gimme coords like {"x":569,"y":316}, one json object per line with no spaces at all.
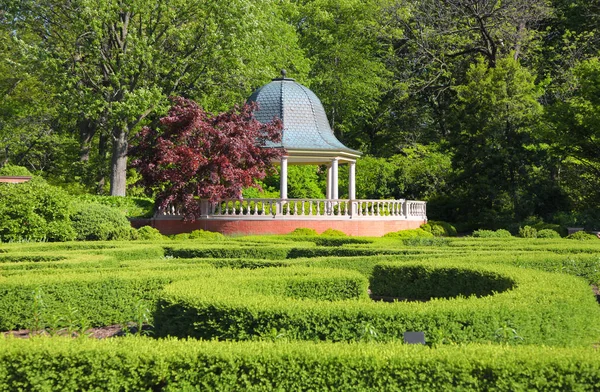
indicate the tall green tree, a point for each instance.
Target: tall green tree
{"x":494,"y":142}
{"x":348,"y":72}
{"x":115,"y":62}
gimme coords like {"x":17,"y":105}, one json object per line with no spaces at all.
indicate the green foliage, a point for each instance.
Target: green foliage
{"x":34,"y":211}
{"x":426,"y":241}
{"x":439,"y":228}
{"x":528,"y":232}
{"x":97,"y":222}
{"x":14,"y":170}
{"x":240,"y":305}
{"x":206,"y":235}
{"x":303,"y":231}
{"x":582,"y":236}
{"x":149,"y":233}
{"x":547,"y":233}
{"x":131,"y":207}
{"x":500,"y":233}
{"x":333,"y":233}
{"x":412,"y":233}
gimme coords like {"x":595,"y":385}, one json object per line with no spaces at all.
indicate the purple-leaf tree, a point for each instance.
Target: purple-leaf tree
{"x":196,"y":155}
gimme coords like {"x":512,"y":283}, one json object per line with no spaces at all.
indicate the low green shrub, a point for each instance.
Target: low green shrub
{"x":206,"y":235}
{"x":34,"y":211}
{"x":149,"y":233}
{"x":14,"y":170}
{"x":547,"y":233}
{"x":426,"y":241}
{"x":142,"y":364}
{"x":304,"y":231}
{"x":132,"y":207}
{"x":527,"y":232}
{"x":542,"y":308}
{"x":333,"y":233}
{"x":582,"y":236}
{"x":409,"y":234}
{"x":229,"y":252}
{"x":339,"y":241}
{"x":500,"y":233}
{"x":439,"y":228}
{"x":97,"y":222}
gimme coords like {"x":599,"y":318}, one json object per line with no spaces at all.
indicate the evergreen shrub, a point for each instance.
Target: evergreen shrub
{"x":206,"y":235}
{"x":548,"y":233}
{"x":34,"y":211}
{"x":527,"y":232}
{"x":97,"y":222}
{"x":149,"y":233}
{"x":582,"y":236}
{"x":333,"y":233}
{"x":439,"y":228}
{"x":500,"y":233}
{"x":141,"y":364}
{"x":304,"y":231}
{"x":412,"y":233}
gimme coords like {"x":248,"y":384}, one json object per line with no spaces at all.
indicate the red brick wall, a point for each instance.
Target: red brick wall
{"x":369,"y":228}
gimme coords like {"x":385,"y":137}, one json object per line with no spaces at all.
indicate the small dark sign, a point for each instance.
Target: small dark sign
{"x":414,"y":337}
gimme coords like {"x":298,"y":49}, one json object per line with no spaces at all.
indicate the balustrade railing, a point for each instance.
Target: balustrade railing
{"x":307,"y":208}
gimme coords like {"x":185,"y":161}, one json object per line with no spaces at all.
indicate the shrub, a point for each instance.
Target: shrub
{"x":149,"y":233}
{"x":334,"y":233}
{"x":206,"y":235}
{"x":426,"y":241}
{"x":14,"y":170}
{"x":527,"y":232}
{"x":412,"y":233}
{"x":582,"y":236}
{"x":547,"y":233}
{"x":304,"y":231}
{"x":34,"y":211}
{"x":133,"y":207}
{"x":500,"y":233}
{"x":439,"y":228}
{"x":97,"y":222}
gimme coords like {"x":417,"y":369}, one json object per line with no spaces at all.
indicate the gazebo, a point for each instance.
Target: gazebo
{"x":308,"y":140}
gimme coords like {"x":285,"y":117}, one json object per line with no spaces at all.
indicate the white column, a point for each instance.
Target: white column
{"x":352,"y":180}
{"x":329,"y":182}
{"x":334,"y":179}
{"x":283,"y":178}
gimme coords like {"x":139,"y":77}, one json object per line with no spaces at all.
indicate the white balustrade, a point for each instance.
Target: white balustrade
{"x":306,"y":209}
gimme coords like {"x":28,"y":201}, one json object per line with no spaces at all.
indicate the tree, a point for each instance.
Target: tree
{"x":575,"y":132}
{"x":494,"y":141}
{"x":201,"y":156}
{"x":115,"y":62}
{"x":348,"y":72}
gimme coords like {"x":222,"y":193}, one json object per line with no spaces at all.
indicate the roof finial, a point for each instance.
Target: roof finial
{"x":283,"y":73}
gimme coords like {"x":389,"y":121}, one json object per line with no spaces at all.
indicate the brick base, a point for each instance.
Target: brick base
{"x":367,"y":228}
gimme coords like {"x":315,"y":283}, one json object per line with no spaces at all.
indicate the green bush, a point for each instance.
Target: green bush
{"x":425,"y":241}
{"x":439,"y":228}
{"x":500,"y":233}
{"x":14,"y":170}
{"x":582,"y":236}
{"x":333,"y":233}
{"x":547,"y":233}
{"x":412,"y":233}
{"x":206,"y":235}
{"x":149,"y":233}
{"x":141,"y":364}
{"x":132,"y":207}
{"x":543,"y":308}
{"x":97,"y":222}
{"x":527,"y":232}
{"x":304,"y":231}
{"x":34,"y":211}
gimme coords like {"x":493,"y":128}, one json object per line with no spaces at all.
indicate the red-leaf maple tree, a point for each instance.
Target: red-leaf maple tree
{"x":195,"y":155}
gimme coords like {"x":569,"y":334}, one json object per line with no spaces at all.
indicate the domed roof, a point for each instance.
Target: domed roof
{"x":305,"y":125}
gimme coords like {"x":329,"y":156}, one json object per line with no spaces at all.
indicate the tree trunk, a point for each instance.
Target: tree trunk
{"x":87,"y":130}
{"x":118,"y":169}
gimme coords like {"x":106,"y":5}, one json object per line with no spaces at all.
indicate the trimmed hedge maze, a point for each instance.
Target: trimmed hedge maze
{"x":300,"y":313}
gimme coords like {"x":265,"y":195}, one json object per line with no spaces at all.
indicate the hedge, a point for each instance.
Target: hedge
{"x":136,"y":364}
{"x":543,"y":308}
